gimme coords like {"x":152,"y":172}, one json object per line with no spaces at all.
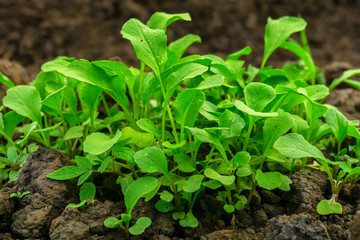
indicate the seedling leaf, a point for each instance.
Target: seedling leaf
{"x":258,"y":95}
{"x":161,"y":20}
{"x":189,"y":221}
{"x":225,"y":180}
{"x":278,"y":31}
{"x":98,"y":143}
{"x":294,"y":145}
{"x":25,"y":100}
{"x":326,"y":207}
{"x":149,"y":44}
{"x":67,"y":172}
{"x":87,"y":192}
{"x":151,"y":159}
{"x":138,"y":189}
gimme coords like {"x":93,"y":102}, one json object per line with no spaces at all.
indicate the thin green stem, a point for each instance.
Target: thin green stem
{"x":107,"y":110}
{"x":138,"y":99}
{"x":168,"y":111}
{"x":9,"y":139}
{"x":248,"y":134}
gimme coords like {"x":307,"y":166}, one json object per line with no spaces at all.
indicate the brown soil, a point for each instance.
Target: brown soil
{"x":35,"y":31}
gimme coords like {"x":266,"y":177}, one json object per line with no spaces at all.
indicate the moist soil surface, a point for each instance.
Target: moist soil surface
{"x":35,"y":31}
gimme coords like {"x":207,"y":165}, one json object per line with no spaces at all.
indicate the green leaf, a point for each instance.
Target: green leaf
{"x":125,"y":183}
{"x":189,"y":221}
{"x":87,"y":191}
{"x":294,"y":145}
{"x":214,"y":81}
{"x":67,"y":172}
{"x":148,"y":126}
{"x":166,"y":196}
{"x":85,"y":71}
{"x":84,"y":177}
{"x":25,"y":100}
{"x":276,"y":127}
{"x":203,"y":136}
{"x":89,"y":94}
{"x":229,"y":208}
{"x":187,"y":105}
{"x":164,"y":206}
{"x":104,"y":164}
{"x":193,"y":183}
{"x":258,"y":95}
{"x":242,"y":107}
{"x":5,"y":80}
{"x":161,"y":20}
{"x":233,"y":121}
{"x":179,"y":46}
{"x":187,"y":71}
{"x":354,"y":171}
{"x":137,"y":190}
{"x":11,"y":120}
{"x":27,"y":129}
{"x":326,"y":207}
{"x":74,"y":132}
{"x":268,"y":180}
{"x":151,"y":159}
{"x":185,"y":163}
{"x":245,"y":51}
{"x":124,"y":153}
{"x":337,"y":122}
{"x":98,"y":143}
{"x":73,"y":205}
{"x":140,"y":139}
{"x":225,"y":180}
{"x":83,"y":162}
{"x":240,"y":159}
{"x":244,"y":171}
{"x":112,"y":222}
{"x":178,"y":215}
{"x":347,"y":74}
{"x":140,"y":226}
{"x":12,"y":155}
{"x":14,"y":175}
{"x":60,"y":62}
{"x":239,"y":205}
{"x":317,"y":92}
{"x":149,"y":44}
{"x":48,"y":129}
{"x":304,"y":55}
{"x":278,"y":31}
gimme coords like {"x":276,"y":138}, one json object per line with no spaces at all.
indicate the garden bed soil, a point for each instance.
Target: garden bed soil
{"x":270,"y":215}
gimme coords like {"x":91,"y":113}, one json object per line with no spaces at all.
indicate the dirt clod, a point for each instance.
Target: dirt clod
{"x":355,"y":227}
{"x":297,"y":226}
{"x":306,"y":191}
{"x":48,"y":197}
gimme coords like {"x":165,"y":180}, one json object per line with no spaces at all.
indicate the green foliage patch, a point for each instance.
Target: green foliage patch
{"x":181,"y":125}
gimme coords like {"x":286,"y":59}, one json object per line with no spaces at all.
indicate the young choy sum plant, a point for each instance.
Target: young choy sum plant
{"x":142,"y":187}
{"x":295,"y":146}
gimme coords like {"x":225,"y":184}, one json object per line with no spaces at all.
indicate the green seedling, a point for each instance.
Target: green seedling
{"x":11,"y":165}
{"x":142,"y":187}
{"x":295,"y":146}
{"x":87,"y":192}
{"x":19,"y":195}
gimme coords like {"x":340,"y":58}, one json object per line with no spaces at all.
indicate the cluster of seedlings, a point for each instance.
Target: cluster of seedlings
{"x":179,"y":125}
